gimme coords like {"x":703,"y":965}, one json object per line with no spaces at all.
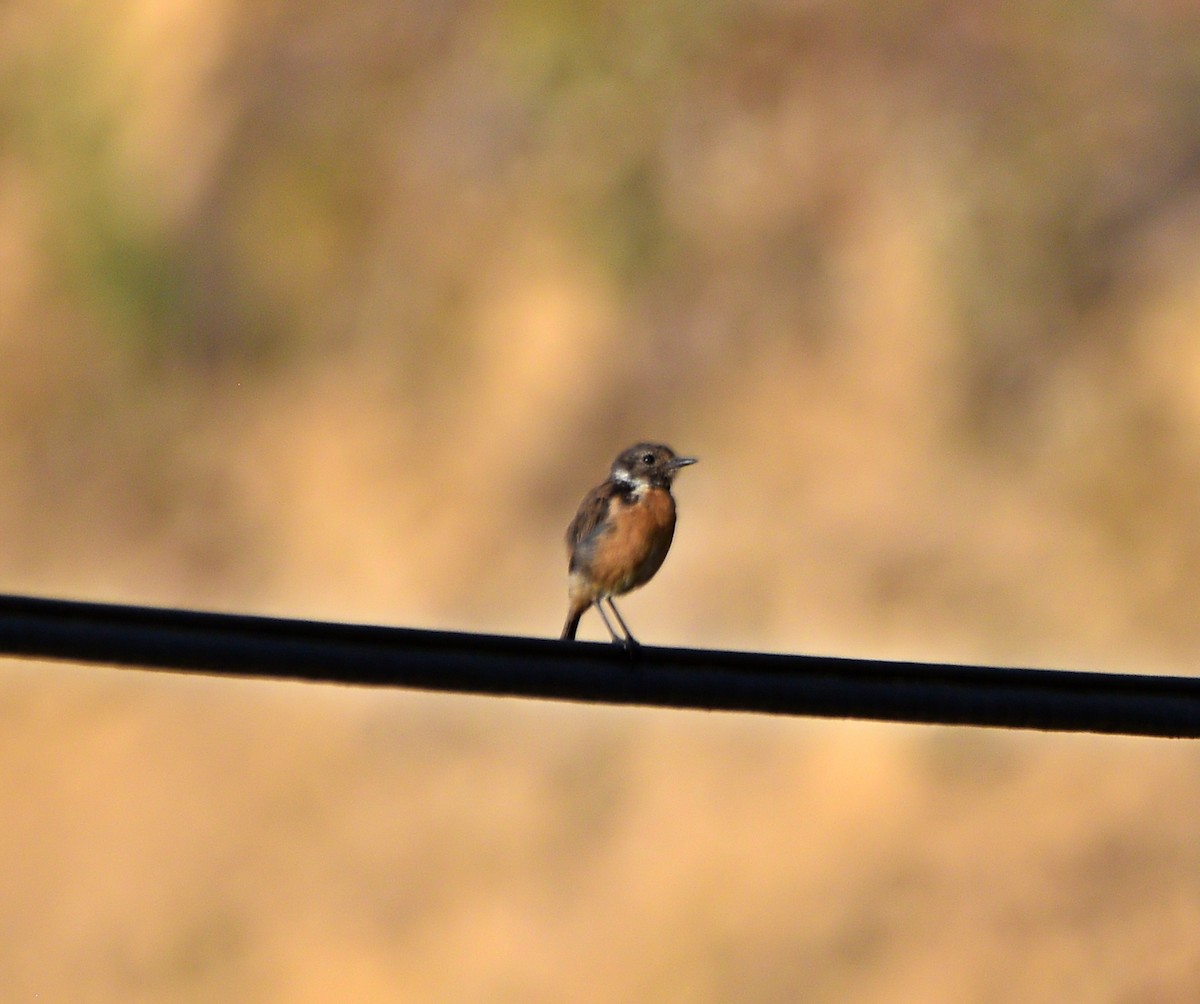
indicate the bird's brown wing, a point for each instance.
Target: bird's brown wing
{"x":587,"y":521}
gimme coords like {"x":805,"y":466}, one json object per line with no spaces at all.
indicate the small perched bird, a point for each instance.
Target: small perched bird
{"x":621,"y":533}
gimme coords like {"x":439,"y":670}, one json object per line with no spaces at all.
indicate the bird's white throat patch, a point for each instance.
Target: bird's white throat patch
{"x":638,"y":486}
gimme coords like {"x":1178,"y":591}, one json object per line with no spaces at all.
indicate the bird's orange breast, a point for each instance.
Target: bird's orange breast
{"x":636,"y":543}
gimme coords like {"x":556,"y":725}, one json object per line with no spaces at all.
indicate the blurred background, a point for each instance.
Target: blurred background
{"x":336,"y":310}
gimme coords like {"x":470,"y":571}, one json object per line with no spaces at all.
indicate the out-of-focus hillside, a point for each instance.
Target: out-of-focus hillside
{"x":337,"y":310}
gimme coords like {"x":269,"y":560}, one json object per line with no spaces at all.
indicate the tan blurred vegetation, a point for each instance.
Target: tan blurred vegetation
{"x":336,"y":310}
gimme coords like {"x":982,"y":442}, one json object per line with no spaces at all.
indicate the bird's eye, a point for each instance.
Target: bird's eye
{"x":647,"y":458}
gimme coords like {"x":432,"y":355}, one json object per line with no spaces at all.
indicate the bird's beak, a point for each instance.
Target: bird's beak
{"x":678,"y":462}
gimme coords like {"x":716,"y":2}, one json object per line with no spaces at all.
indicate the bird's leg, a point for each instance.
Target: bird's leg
{"x":617,"y":639}
{"x":630,"y":642}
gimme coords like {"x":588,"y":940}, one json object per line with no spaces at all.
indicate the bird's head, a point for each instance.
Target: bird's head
{"x":648,"y":464}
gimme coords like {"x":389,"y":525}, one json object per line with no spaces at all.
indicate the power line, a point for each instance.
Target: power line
{"x":238,"y":645}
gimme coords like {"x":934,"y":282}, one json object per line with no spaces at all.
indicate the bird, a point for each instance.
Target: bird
{"x":621,"y":534}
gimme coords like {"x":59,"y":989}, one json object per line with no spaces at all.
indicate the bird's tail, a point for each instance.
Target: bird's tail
{"x":573,"y":617}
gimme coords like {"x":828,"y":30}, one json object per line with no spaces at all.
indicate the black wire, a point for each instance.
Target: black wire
{"x":268,"y":647}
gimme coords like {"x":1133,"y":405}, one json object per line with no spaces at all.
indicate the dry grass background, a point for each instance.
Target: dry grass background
{"x":335,"y":310}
